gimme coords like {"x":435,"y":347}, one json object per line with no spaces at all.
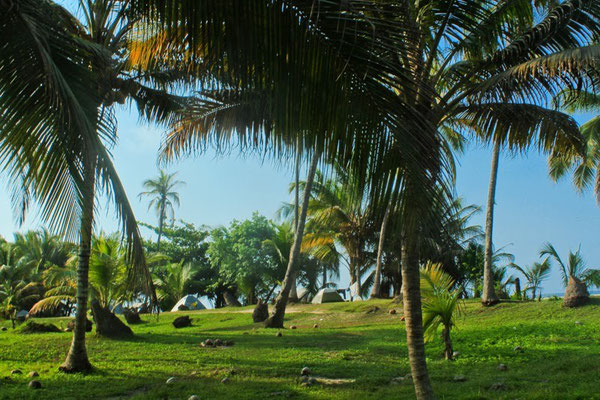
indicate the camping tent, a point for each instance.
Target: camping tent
{"x":304,"y":295}
{"x":188,"y":302}
{"x":327,"y":296}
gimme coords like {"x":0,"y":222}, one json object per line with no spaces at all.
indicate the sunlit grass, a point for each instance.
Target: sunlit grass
{"x":354,"y":340}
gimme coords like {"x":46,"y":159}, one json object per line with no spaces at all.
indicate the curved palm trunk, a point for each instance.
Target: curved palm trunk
{"x":77,"y":359}
{"x":489,"y":297}
{"x":376,"y":290}
{"x":411,"y":294}
{"x":276,"y":319}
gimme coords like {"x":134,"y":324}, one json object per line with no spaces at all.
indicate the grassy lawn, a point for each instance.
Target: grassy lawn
{"x":560,"y":357}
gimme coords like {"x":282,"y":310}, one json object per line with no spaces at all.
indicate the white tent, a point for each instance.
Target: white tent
{"x":327,"y":295}
{"x":304,"y":295}
{"x":188,"y":302}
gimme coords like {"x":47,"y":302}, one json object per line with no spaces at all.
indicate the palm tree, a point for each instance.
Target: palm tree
{"x":534,"y":275}
{"x":55,"y":142}
{"x":163,"y":196}
{"x":586,"y":170}
{"x":396,"y":75}
{"x":441,"y":304}
{"x":574,"y":268}
{"x":171,"y":283}
{"x":338,"y":214}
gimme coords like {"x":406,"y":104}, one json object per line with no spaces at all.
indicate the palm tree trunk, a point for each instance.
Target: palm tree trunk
{"x":489,"y":297}
{"x":293,"y":298}
{"x":77,"y":359}
{"x":276,"y":319}
{"x":161,"y":220}
{"x":324,"y":276}
{"x":376,"y":290}
{"x":411,"y":295}
{"x":448,"y":352}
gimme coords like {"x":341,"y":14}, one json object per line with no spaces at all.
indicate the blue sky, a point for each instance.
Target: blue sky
{"x":530,"y":208}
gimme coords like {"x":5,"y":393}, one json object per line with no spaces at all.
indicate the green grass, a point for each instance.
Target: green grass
{"x":560,"y":359}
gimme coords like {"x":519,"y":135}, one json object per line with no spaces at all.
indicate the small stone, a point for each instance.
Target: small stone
{"x":4,"y":329}
{"x":305,"y":371}
{"x":171,"y":380}
{"x":399,"y":380}
{"x":460,"y":378}
{"x":208,"y":343}
{"x":498,"y":386}
{"x":403,"y":318}
{"x":518,"y":348}
{"x":455,"y":354}
{"x":194,"y":397}
{"x":392,"y":311}
{"x":293,"y":327}
{"x":16,"y":372}
{"x":315,"y":326}
{"x":35,"y":384}
{"x":33,"y":374}
{"x":228,"y":343}
{"x":278,"y":334}
{"x":225,"y":380}
{"x":218,"y":342}
{"x":578,"y":323}
{"x":502,"y":367}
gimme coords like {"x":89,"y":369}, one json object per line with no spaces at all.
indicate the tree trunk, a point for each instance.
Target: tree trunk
{"x":230,"y":299}
{"x":489,"y":297}
{"x":293,"y":297}
{"x":77,"y":359}
{"x":376,"y":290}
{"x":518,"y":288}
{"x":161,"y":220}
{"x":411,"y":300}
{"x":448,"y":352}
{"x":276,"y":319}
{"x":324,"y":276}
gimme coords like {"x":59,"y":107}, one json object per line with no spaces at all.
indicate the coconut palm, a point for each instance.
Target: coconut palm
{"x":395,"y":76}
{"x":338,"y":215}
{"x":574,"y":268}
{"x":442,"y":304}
{"x":55,"y":142}
{"x":586,"y":170}
{"x":534,"y":275}
{"x":163,"y":196}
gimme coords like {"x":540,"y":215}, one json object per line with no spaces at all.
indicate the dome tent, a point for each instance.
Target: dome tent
{"x":327,"y":295}
{"x":188,"y":302}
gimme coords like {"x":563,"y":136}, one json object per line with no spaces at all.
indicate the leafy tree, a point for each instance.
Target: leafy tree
{"x":242,"y":258}
{"x":163,"y":196}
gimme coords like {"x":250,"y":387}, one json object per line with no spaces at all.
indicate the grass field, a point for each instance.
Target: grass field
{"x":560,"y":357}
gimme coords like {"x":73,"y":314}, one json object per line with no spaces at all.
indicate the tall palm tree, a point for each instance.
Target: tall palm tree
{"x":163,"y":196}
{"x":396,"y":75}
{"x":534,"y":275}
{"x":338,"y":214}
{"x":55,"y":142}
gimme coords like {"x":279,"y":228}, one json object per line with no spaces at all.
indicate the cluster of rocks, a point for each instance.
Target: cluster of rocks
{"x":34,"y":384}
{"x":217,"y":343}
{"x":35,"y":327}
